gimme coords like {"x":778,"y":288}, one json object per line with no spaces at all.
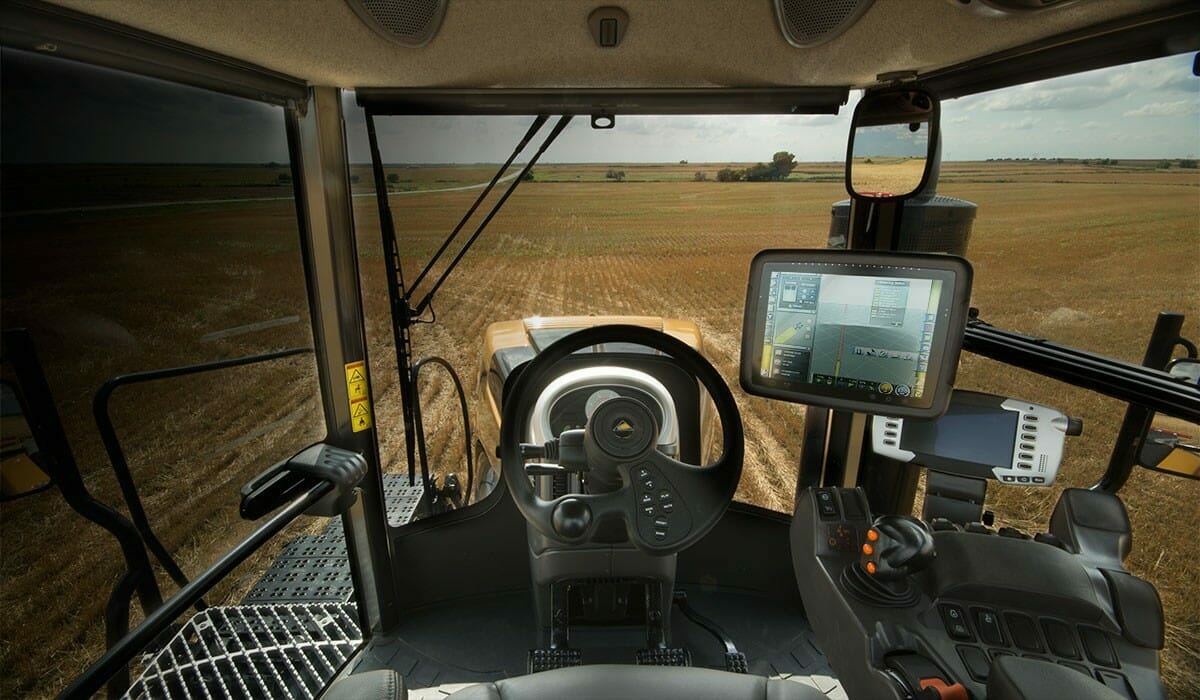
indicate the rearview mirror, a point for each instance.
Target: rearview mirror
{"x":893,"y":142}
{"x":20,"y":471}
{"x":1171,"y":445}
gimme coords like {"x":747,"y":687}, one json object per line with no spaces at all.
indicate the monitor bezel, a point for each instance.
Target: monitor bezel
{"x":948,"y":332}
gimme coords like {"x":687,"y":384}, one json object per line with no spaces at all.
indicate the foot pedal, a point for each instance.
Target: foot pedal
{"x":735,"y":661}
{"x":550,"y":659}
{"x":664,"y":657}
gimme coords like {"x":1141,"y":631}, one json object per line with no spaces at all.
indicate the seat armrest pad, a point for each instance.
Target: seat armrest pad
{"x":1016,"y":678}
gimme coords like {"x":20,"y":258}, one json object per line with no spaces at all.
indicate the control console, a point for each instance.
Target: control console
{"x":899,"y":607}
{"x":981,"y":436}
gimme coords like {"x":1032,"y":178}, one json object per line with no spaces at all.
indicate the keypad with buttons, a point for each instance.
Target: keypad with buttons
{"x":662,"y":519}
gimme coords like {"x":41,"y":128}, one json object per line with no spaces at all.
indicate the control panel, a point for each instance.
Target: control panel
{"x":662,"y":518}
{"x":898,"y":605}
{"x":981,"y":436}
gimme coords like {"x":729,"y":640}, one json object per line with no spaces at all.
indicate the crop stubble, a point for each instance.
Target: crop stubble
{"x":1109,"y":246}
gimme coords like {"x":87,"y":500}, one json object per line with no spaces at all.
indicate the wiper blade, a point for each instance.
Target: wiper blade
{"x":533,"y":130}
{"x":558,"y":129}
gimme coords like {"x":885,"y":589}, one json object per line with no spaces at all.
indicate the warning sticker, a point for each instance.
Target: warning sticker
{"x":356,"y":380}
{"x":360,"y":415}
{"x":356,"y":388}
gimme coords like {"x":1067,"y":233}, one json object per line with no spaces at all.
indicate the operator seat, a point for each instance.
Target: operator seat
{"x":601,"y":682}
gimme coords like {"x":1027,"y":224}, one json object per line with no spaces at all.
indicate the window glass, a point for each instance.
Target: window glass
{"x":144,"y":226}
{"x":1088,"y":226}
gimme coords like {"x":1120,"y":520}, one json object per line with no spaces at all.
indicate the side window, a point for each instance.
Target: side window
{"x":145,"y":226}
{"x":1088,"y":226}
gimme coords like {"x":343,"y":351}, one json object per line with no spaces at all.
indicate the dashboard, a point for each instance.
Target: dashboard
{"x":572,"y":408}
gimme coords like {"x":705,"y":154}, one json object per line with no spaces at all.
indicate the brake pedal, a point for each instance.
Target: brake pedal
{"x":550,"y":659}
{"x":664,"y":657}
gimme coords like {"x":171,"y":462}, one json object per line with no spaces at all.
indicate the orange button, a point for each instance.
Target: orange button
{"x":871,"y":567}
{"x":872,"y":535}
{"x":868,"y":549}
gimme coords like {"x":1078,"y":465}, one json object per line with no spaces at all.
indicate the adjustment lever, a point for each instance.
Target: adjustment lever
{"x":538,"y":469}
{"x":566,"y":449}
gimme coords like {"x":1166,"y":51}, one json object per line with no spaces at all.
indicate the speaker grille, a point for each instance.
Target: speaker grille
{"x":408,"y":22}
{"x":808,"y":23}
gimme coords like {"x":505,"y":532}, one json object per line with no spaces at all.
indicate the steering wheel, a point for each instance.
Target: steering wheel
{"x":666,"y":505}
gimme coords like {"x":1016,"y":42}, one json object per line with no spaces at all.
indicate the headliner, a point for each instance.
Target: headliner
{"x":688,"y":43}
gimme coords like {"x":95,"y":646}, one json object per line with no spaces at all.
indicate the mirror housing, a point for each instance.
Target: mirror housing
{"x":893,"y":145}
{"x":21,"y":473}
{"x":1171,"y":445}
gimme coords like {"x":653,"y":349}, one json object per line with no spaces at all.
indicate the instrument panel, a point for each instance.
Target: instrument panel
{"x":571,"y":410}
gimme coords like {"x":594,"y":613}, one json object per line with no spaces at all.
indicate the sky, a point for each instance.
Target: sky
{"x":53,"y":110}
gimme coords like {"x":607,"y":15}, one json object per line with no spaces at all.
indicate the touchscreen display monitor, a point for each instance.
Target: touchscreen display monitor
{"x":862,"y":331}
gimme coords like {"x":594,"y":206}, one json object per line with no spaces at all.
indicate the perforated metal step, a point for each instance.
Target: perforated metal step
{"x":253,"y":651}
{"x":310,"y":569}
{"x":402,"y":500}
{"x":315,"y":568}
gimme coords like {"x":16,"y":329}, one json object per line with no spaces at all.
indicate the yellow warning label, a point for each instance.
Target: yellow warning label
{"x":360,"y":415}
{"x":356,"y":388}
{"x":356,"y":380}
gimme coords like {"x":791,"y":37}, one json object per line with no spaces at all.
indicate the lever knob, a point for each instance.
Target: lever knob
{"x":896,"y":547}
{"x":571,"y":518}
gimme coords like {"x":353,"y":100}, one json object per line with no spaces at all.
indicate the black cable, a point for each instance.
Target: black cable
{"x":466,"y":416}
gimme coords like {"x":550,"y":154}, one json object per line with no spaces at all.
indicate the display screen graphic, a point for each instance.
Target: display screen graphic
{"x":871,"y":334}
{"x":856,"y":330}
{"x":980,"y":435}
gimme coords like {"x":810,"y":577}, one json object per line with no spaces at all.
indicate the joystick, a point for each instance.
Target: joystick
{"x":896,"y":546}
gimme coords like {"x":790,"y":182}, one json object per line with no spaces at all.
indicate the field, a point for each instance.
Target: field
{"x":1085,"y":255}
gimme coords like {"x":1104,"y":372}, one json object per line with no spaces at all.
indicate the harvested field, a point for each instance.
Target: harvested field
{"x":1085,"y":255}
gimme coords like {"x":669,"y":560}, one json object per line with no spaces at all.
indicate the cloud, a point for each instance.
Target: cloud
{"x":1023,"y":125}
{"x":1095,"y":88}
{"x":1164,"y":109}
{"x":1029,"y":98}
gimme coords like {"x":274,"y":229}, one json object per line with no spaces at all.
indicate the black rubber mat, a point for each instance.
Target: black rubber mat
{"x":489,"y":638}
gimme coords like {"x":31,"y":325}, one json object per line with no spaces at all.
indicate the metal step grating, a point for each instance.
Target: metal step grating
{"x":402,"y":500}
{"x":314,"y":568}
{"x":253,"y":651}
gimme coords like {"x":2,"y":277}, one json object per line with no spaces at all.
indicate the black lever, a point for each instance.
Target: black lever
{"x":566,"y":449}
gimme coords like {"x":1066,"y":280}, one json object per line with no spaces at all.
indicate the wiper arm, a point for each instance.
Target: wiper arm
{"x":558,"y":129}
{"x":533,"y":130}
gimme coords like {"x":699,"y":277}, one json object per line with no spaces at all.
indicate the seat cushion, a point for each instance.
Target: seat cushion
{"x":602,"y":682}
{"x":384,"y":684}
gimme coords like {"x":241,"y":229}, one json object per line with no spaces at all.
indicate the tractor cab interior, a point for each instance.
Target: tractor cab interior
{"x":598,"y":545}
